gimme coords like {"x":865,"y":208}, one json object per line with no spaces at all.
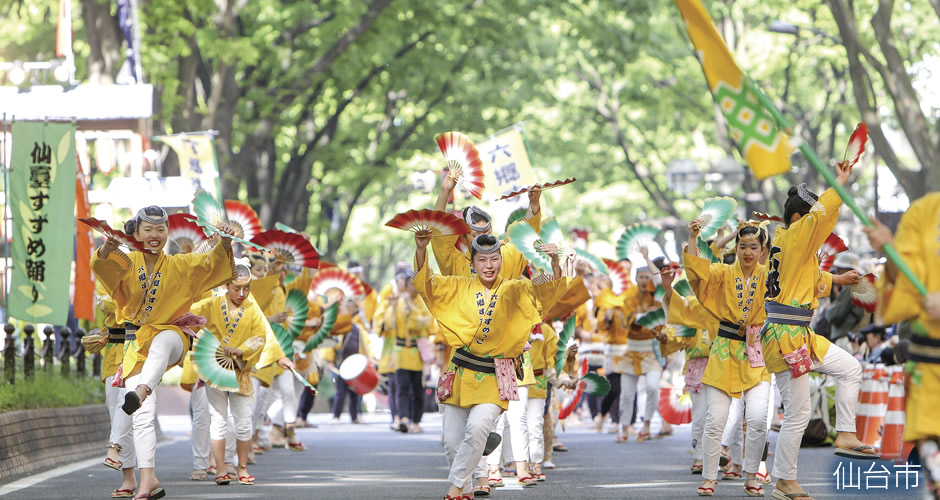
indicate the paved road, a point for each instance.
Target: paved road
{"x":370,"y":462}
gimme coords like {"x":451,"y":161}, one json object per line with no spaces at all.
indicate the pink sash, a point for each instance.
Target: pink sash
{"x":693,"y":373}
{"x":506,"y":379}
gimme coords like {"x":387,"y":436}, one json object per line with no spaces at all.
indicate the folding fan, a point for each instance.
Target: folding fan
{"x":440,"y":223}
{"x":675,"y":406}
{"x":659,"y":294}
{"x":634,"y":236}
{"x":242,"y":215}
{"x":563,"y":338}
{"x":768,"y":217}
{"x":125,"y":239}
{"x":715,"y":213}
{"x":864,"y":294}
{"x":212,"y":365}
{"x":303,"y":381}
{"x":828,"y":251}
{"x":592,"y":260}
{"x":291,"y":248}
{"x":595,"y":385}
{"x":856,"y":145}
{"x":580,"y":237}
{"x":618,"y":277}
{"x":463,"y":160}
{"x":705,"y":251}
{"x":334,"y":277}
{"x":679,"y":331}
{"x":571,"y":402}
{"x":285,"y":339}
{"x":551,"y":233}
{"x":327,"y":321}
{"x":284,"y":227}
{"x":297,"y":305}
{"x":526,"y":240}
{"x":653,"y":319}
{"x":544,"y":186}
{"x":209,"y":229}
{"x":682,"y":287}
{"x":184,"y":234}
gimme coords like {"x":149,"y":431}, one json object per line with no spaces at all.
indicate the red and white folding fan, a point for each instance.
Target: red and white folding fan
{"x":767,"y":217}
{"x":463,"y":160}
{"x":326,"y":280}
{"x":291,"y":248}
{"x":184,"y":234}
{"x":864,"y":294}
{"x":545,"y":186}
{"x":618,"y":276}
{"x":675,"y":406}
{"x":828,"y":251}
{"x":242,"y":215}
{"x":125,"y":239}
{"x":856,"y":145}
{"x":440,"y":223}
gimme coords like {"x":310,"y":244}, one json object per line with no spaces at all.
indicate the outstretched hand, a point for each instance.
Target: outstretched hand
{"x":422,"y":239}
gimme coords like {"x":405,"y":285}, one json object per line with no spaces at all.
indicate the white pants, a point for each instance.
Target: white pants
{"x":716,"y":415}
{"x":287,"y":387}
{"x":535,"y":418}
{"x":199,"y":407}
{"x":166,"y":349}
{"x":465,"y":433}
{"x":264,"y":396}
{"x":796,"y":406}
{"x":504,"y":447}
{"x":521,"y":420}
{"x":120,"y":424}
{"x":698,"y":422}
{"x":220,"y":404}
{"x":733,"y":435}
{"x":628,"y":386}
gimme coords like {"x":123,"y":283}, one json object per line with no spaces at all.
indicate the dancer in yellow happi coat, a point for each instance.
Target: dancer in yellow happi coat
{"x":241,"y":329}
{"x":413,"y":324}
{"x":154,"y":293}
{"x":918,"y":242}
{"x":790,"y":347}
{"x":487,"y":319}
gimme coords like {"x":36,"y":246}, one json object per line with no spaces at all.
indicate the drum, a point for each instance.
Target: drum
{"x":359,"y":374}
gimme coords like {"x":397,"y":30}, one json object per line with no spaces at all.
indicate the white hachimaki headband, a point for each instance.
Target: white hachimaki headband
{"x":485,"y":250}
{"x":151,"y":219}
{"x":805,"y":194}
{"x":478,"y":211}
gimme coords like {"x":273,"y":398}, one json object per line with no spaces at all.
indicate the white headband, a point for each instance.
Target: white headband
{"x":485,"y":250}
{"x":150,"y":219}
{"x":805,"y":194}
{"x":478,"y":211}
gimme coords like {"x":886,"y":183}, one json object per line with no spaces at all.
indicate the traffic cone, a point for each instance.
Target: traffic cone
{"x":873,"y":405}
{"x":892,"y":442}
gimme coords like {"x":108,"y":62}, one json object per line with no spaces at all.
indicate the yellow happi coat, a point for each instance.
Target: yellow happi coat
{"x":688,"y":311}
{"x":723,"y":291}
{"x":462,"y":307}
{"x":269,"y":295}
{"x":614,"y":331}
{"x":794,"y":279}
{"x":154,"y":302}
{"x":576,"y":295}
{"x":384,"y":316}
{"x":113,"y":354}
{"x":543,"y":351}
{"x":413,"y":321}
{"x":244,"y":328}
{"x":918,"y":242}
{"x":638,"y":360}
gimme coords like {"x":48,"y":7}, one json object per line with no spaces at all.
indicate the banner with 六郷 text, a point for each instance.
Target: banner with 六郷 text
{"x":42,"y":199}
{"x":196,"y":152}
{"x":506,"y":168}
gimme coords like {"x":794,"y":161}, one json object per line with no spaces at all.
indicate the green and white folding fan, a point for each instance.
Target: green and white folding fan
{"x":303,"y":381}
{"x":683,"y":288}
{"x":705,"y":251}
{"x":715,"y":213}
{"x":653,"y":319}
{"x":592,"y":260}
{"x":635,"y":236}
{"x":679,"y":331}
{"x":284,"y":227}
{"x":551,"y":232}
{"x":285,"y":339}
{"x":526,"y":239}
{"x":563,"y":338}
{"x":328,"y":320}
{"x":297,"y":305}
{"x":596,"y":385}
{"x":659,"y":294}
{"x":212,"y":365}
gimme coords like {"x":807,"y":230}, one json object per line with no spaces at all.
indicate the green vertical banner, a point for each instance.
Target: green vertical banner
{"x":42,"y":199}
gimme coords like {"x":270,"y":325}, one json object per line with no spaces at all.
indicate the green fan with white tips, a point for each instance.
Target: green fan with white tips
{"x":635,"y":236}
{"x":209,"y":213}
{"x":682,"y":287}
{"x":594,"y":261}
{"x":299,"y":309}
{"x":715,"y":213}
{"x":596,"y":385}
{"x":563,"y":338}
{"x":285,"y":339}
{"x":659,"y":294}
{"x":328,"y":321}
{"x":705,"y":251}
{"x":653,"y":319}
{"x":526,"y":240}
{"x":679,"y":331}
{"x":551,"y":232}
{"x":284,"y":227}
{"x":212,"y":365}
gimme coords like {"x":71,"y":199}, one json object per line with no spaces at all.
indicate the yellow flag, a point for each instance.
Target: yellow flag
{"x":765,"y":148}
{"x":196,"y":154}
